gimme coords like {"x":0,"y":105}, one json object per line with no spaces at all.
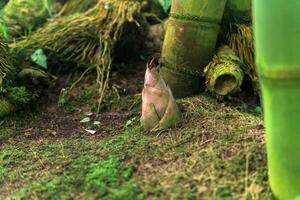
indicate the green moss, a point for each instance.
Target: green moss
{"x":22,"y":16}
{"x":19,"y":95}
{"x":217,"y":153}
{"x":107,"y":179}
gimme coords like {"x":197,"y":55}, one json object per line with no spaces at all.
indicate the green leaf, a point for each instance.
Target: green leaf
{"x":96,"y":123}
{"x":40,"y":58}
{"x":165,"y":4}
{"x":85,"y":120}
{"x":3,"y":27}
{"x":48,"y":6}
{"x":131,"y":121}
{"x":3,"y":3}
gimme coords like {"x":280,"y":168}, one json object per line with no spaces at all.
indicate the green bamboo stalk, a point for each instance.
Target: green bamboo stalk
{"x":190,"y":42}
{"x":277,"y":28}
{"x":224,"y":75}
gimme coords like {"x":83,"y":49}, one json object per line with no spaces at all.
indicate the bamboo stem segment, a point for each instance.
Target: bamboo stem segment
{"x":277,"y":28}
{"x":224,"y":75}
{"x":189,"y":43}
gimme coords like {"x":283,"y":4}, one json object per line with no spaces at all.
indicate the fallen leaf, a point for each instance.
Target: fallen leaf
{"x":86,"y":120}
{"x":90,"y":131}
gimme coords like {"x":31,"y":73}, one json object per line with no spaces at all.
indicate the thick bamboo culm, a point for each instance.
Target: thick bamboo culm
{"x":277,"y":28}
{"x":224,"y":75}
{"x":190,"y":42}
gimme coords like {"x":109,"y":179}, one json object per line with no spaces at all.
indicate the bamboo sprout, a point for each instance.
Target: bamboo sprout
{"x":277,"y":28}
{"x":224,"y":75}
{"x":190,"y":42}
{"x":159,"y":108}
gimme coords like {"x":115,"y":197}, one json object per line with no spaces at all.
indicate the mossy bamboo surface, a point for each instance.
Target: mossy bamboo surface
{"x":22,"y":16}
{"x":87,"y":38}
{"x":277,"y":28}
{"x":190,"y":41}
{"x":224,"y":75}
{"x":6,"y":108}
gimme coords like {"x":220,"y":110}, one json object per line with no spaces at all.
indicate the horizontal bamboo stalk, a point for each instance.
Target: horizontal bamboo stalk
{"x":224,"y":75}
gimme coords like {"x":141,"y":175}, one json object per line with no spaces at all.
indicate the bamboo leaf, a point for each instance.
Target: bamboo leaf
{"x":165,"y":4}
{"x":40,"y":58}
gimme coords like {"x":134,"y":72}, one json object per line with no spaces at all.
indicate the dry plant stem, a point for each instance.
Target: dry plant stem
{"x":76,"y":6}
{"x":240,"y":39}
{"x":6,"y":63}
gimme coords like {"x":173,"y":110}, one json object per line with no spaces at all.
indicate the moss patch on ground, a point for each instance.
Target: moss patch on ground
{"x":217,"y":152}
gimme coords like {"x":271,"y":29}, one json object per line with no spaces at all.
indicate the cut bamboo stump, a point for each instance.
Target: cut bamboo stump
{"x":189,"y":43}
{"x":224,"y":75}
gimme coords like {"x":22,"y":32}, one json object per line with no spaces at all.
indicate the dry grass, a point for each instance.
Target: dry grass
{"x":242,"y":42}
{"x":217,"y":152}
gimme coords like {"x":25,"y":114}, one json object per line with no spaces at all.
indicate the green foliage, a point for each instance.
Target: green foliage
{"x":108,"y":179}
{"x":64,"y":101}
{"x":166,"y":4}
{"x":6,"y":108}
{"x":22,"y":16}
{"x":40,"y":58}
{"x":48,"y":6}
{"x":19,"y":95}
{"x":2,"y":3}
{"x":3,"y":27}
